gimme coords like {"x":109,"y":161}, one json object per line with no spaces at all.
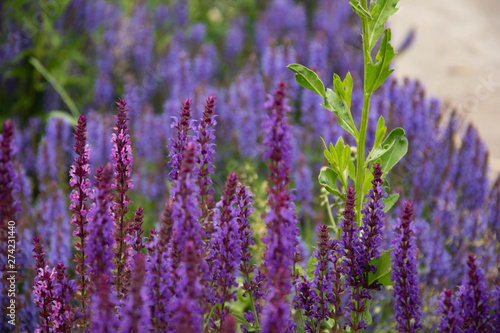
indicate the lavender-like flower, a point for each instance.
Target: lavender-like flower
{"x":373,"y":218}
{"x":100,"y":245}
{"x":103,"y":307}
{"x":225,"y":248}
{"x":63,"y":314}
{"x":9,"y":183}
{"x":206,"y":156}
{"x":135,"y":234}
{"x":354,"y":262}
{"x":135,"y":314}
{"x":475,"y":302}
{"x":177,"y":146}
{"x":307,"y":301}
{"x":449,"y":311}
{"x":79,"y":207}
{"x":405,"y":275}
{"x":43,"y":289}
{"x":282,"y":238}
{"x":121,"y":154}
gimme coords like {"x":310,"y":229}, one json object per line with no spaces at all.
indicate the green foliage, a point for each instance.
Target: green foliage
{"x":343,"y":113}
{"x":308,"y":79}
{"x":381,"y":11}
{"x":377,"y":73}
{"x":384,"y":269}
{"x":397,"y":147}
{"x":359,"y":9}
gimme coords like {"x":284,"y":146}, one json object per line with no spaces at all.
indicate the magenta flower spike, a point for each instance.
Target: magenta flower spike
{"x":80,"y":182}
{"x":121,"y":155}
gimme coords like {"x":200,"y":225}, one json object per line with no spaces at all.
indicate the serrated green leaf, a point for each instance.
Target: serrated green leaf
{"x":398,"y":148}
{"x":379,"y":151}
{"x":380,"y":132}
{"x":358,"y":9}
{"x":377,"y":73}
{"x":343,"y":114}
{"x":380,"y":12}
{"x":384,"y":269}
{"x":308,"y":79}
{"x":390,"y":201}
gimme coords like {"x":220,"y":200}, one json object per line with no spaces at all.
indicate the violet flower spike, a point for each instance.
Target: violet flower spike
{"x":101,"y":242}
{"x":121,"y":154}
{"x":354,"y":262}
{"x":206,"y":156}
{"x":225,"y":248}
{"x":177,"y":146}
{"x":475,"y":302}
{"x":450,"y":313}
{"x":79,"y":207}
{"x":283,"y":233}
{"x":405,"y":275}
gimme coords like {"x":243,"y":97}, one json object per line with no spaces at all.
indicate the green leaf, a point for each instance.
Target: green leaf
{"x":311,"y":265}
{"x":348,"y":89}
{"x":384,"y":269}
{"x":300,"y":329}
{"x":398,"y":148}
{"x":390,"y":201}
{"x":380,"y":12}
{"x":240,"y":319}
{"x":366,"y":315}
{"x":327,"y":178}
{"x":308,"y":79}
{"x":380,"y":132}
{"x":339,"y":87}
{"x":341,"y":111}
{"x":352,"y":170}
{"x":358,"y":9}
{"x":57,"y":86}
{"x":377,"y":73}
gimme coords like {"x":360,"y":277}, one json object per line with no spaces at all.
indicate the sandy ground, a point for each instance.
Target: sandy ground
{"x":456,"y":53}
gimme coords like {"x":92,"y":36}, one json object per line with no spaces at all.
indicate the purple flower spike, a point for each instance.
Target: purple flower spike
{"x":79,"y":180}
{"x":225,"y":248}
{"x":354,"y":263}
{"x":64,"y":314}
{"x":405,"y":275}
{"x":43,"y":289}
{"x":373,"y":218}
{"x":475,"y":302}
{"x":121,"y":154}
{"x":177,"y":146}
{"x":9,"y":182}
{"x":103,"y":307}
{"x":449,"y":311}
{"x":101,"y":241}
{"x":283,"y":233}
{"x":136,"y":316}
{"x":135,"y":233}
{"x":206,"y":157}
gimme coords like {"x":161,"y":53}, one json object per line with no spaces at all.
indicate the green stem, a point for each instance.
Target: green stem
{"x":360,"y":162}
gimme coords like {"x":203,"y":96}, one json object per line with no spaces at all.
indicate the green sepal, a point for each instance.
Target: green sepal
{"x":308,"y":79}
{"x":384,"y":269}
{"x":377,"y":73}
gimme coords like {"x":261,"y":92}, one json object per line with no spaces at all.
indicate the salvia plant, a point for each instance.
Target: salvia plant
{"x":206,"y":217}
